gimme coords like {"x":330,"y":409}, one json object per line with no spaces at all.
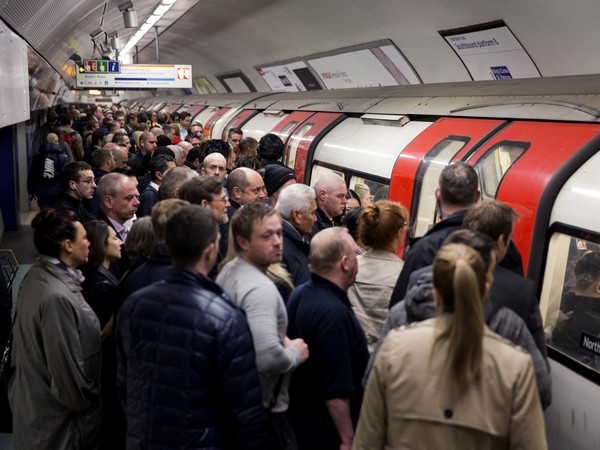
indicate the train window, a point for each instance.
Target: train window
{"x":317,"y":170}
{"x":494,"y":164}
{"x":295,"y":142}
{"x":285,"y":131}
{"x":366,"y":188}
{"x":570,"y":299}
{"x":426,"y":183}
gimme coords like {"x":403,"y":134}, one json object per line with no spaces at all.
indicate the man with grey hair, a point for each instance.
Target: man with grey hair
{"x":331,"y":192}
{"x":119,"y":200}
{"x":172,"y":181}
{"x":180,"y":154}
{"x":297,"y":207}
{"x":326,"y":392}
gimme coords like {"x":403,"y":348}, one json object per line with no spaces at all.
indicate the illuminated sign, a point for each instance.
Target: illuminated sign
{"x":139,"y":76}
{"x":491,"y":52}
{"x":101,"y":66}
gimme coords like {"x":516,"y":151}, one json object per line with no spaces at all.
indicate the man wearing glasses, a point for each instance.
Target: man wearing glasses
{"x":78,"y":184}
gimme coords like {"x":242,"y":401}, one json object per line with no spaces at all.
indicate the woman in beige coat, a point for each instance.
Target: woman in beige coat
{"x":450,"y":382}
{"x":381,"y":229}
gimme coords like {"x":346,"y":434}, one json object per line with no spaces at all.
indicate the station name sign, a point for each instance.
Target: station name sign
{"x":114,"y":75}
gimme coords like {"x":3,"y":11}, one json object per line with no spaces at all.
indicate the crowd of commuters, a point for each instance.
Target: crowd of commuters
{"x":194,"y":294}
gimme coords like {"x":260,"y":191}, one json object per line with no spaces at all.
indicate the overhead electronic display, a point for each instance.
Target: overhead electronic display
{"x":491,"y":51}
{"x":138,"y":76}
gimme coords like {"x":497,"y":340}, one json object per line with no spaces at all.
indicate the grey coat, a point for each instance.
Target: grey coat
{"x":53,"y":392}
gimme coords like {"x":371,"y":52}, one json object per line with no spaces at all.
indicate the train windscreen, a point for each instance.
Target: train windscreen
{"x":570,"y":299}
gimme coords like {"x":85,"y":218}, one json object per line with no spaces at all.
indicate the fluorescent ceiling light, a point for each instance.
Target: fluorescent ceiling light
{"x":156,"y":15}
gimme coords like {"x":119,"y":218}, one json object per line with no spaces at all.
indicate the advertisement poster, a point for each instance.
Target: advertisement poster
{"x":289,"y":77}
{"x":367,"y":65}
{"x":236,"y":82}
{"x":491,"y":52}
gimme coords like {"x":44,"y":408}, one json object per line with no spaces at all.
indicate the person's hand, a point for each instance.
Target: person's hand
{"x":299,"y":345}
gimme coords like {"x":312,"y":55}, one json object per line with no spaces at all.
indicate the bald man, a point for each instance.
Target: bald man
{"x":215,"y":165}
{"x":326,"y":391}
{"x":331,"y":192}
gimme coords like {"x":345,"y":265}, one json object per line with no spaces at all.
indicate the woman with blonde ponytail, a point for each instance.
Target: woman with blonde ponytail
{"x":449,"y":382}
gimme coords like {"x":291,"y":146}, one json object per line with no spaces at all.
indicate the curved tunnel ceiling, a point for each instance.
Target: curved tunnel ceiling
{"x":218,"y":36}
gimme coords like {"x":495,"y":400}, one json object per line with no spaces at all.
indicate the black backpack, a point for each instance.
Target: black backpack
{"x":51,"y":167}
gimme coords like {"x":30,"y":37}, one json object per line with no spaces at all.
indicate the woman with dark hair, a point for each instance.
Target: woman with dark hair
{"x":100,"y":284}
{"x":449,"y":382}
{"x":56,"y":344}
{"x":100,"y":291}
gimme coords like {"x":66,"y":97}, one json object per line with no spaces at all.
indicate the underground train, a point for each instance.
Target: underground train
{"x":534,"y":144}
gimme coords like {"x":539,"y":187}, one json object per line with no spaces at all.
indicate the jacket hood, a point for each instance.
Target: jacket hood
{"x":50,"y":148}
{"x":419,"y":299}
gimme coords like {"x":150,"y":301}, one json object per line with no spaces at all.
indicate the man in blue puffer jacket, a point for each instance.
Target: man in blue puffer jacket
{"x":186,"y":366}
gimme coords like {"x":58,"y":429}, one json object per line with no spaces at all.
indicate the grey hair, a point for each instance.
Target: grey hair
{"x":295,"y":197}
{"x":177,"y":149}
{"x":109,"y":184}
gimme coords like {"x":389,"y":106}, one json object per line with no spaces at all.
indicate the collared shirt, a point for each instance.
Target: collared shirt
{"x":121,"y":229}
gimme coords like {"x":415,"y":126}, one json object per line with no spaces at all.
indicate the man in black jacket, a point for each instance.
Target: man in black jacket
{"x":297,"y":207}
{"x":187,"y":375}
{"x":79,"y":185}
{"x":458,"y":190}
{"x":495,"y":219}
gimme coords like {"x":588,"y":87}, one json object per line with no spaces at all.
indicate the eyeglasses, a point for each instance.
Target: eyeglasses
{"x":224,"y":199}
{"x":87,"y":181}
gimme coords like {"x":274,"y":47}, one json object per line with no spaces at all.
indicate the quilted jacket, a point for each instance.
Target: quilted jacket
{"x":186,"y":368}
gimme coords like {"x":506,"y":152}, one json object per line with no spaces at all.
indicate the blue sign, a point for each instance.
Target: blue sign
{"x":114,"y":67}
{"x":501,"y":73}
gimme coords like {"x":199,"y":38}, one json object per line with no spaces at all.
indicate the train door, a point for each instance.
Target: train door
{"x":238,"y":120}
{"x":263,"y":123}
{"x":194,"y":110}
{"x":367,"y":146}
{"x":519,"y":161}
{"x":570,"y":307}
{"x":170,"y":108}
{"x":417,"y":169}
{"x":203,"y":114}
{"x":212,"y":121}
{"x":285,"y":128}
{"x":304,"y":139}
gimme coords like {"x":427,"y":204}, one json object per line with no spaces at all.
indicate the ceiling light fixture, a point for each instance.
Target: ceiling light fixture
{"x":94,"y":34}
{"x":156,"y":15}
{"x":129,"y":15}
